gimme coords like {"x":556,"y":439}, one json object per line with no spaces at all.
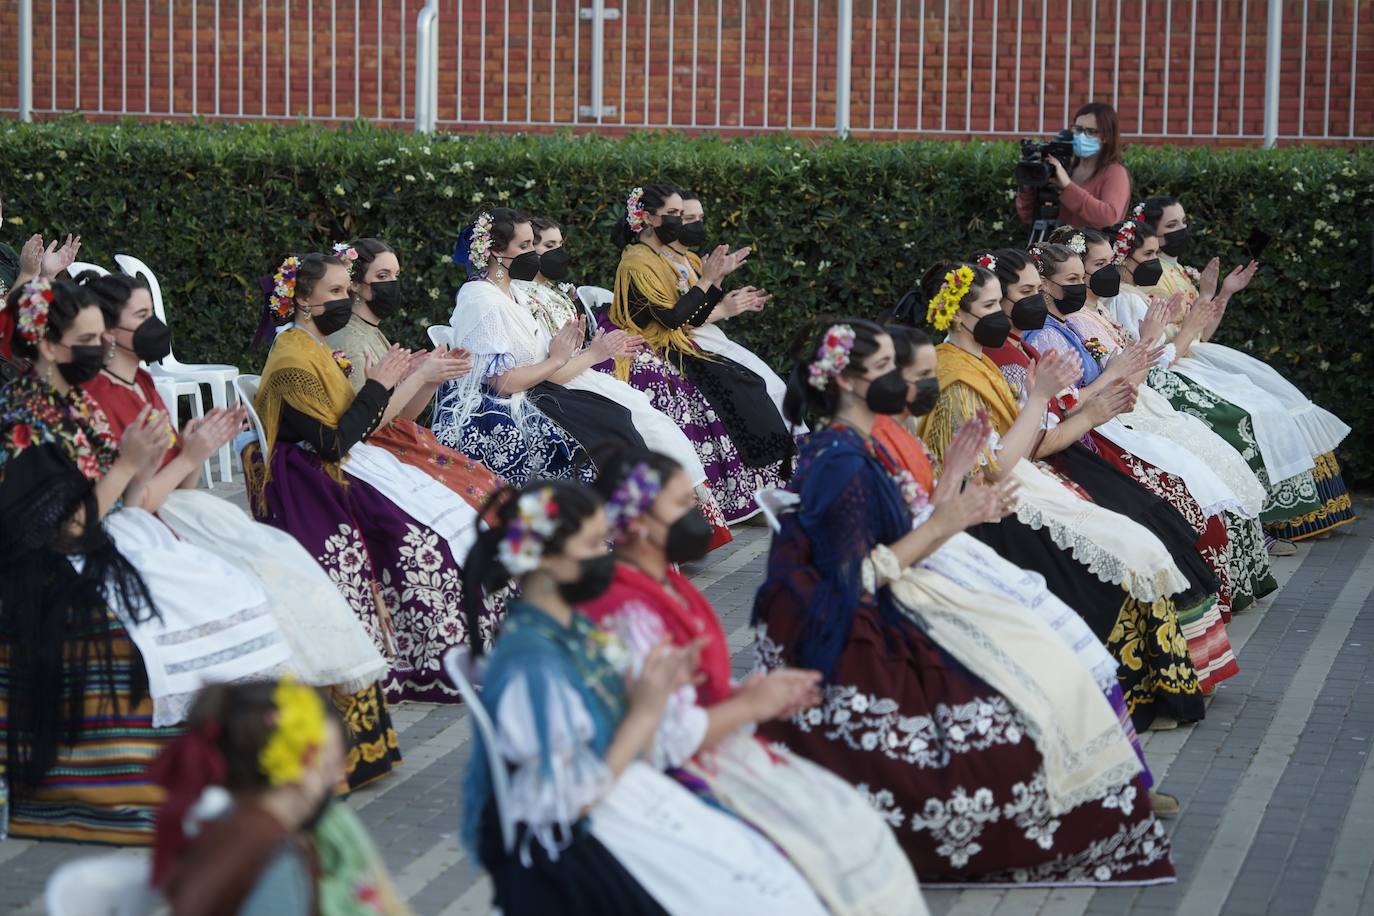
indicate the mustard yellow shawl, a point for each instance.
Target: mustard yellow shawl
{"x":656,"y":279}
{"x":300,"y":371}
{"x":967,"y":382}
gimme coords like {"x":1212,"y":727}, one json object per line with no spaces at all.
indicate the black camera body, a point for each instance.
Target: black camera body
{"x":1033,"y":171}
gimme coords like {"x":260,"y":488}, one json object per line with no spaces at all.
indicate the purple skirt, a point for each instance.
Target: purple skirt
{"x":399,"y":576}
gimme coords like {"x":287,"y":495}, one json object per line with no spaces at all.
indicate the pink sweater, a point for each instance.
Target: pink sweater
{"x":1097,"y":203}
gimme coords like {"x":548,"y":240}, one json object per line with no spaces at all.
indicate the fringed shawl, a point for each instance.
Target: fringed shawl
{"x":300,"y":371}
{"x":967,"y":382}
{"x":656,"y":280}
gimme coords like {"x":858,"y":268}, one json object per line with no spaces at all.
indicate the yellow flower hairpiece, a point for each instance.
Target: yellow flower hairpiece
{"x":946,"y":302}
{"x":298,"y":734}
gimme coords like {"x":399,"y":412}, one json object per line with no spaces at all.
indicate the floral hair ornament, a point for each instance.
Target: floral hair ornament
{"x":283,"y":295}
{"x":1127,"y":240}
{"x":34,"y":302}
{"x":1077,"y":243}
{"x":634,"y":210}
{"x":536,"y":518}
{"x":634,"y":496}
{"x":940,"y":313}
{"x":1139,"y":211}
{"x":297,"y":735}
{"x":346,"y":253}
{"x":832,"y":356}
{"x":474,"y":245}
{"x":987,"y":260}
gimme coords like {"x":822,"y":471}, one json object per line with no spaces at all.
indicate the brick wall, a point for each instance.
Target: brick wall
{"x":755,"y":63}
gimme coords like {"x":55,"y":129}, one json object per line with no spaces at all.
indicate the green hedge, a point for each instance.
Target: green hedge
{"x":841,"y":226}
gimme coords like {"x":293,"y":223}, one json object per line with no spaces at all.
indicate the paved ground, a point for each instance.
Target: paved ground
{"x":1277,"y":785}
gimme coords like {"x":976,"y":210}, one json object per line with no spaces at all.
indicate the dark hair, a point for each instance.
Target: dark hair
{"x":803,"y":398}
{"x":68,"y":300}
{"x":1047,"y":258}
{"x":1152,"y":211}
{"x":906,"y":341}
{"x":311,"y":271}
{"x":688,"y":195}
{"x":1109,"y":130}
{"x":245,"y":714}
{"x":367,"y":250}
{"x":934,"y":278}
{"x":109,"y":291}
{"x":483,"y":572}
{"x":652,"y":197}
{"x":542,"y":224}
{"x":1010,"y":263}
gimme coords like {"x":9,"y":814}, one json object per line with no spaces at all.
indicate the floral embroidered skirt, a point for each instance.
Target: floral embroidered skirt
{"x":542,"y":450}
{"x":731,"y":481}
{"x":417,"y":446}
{"x":948,"y":763}
{"x":1334,"y":510}
{"x":399,"y":576}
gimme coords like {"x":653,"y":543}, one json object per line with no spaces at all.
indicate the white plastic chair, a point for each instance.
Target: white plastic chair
{"x":457,"y":663}
{"x":440,"y":335}
{"x":115,"y":884}
{"x":219,"y":376}
{"x":80,"y":267}
{"x":592,"y":299}
{"x":247,"y":388}
{"x":775,"y":503}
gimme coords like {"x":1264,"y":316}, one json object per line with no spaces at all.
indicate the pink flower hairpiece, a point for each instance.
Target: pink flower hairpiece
{"x":346,"y":253}
{"x":480,"y":245}
{"x":634,"y":496}
{"x":536,"y":518}
{"x":832,"y":356}
{"x":284,"y":288}
{"x":634,"y":209}
{"x":33,"y":305}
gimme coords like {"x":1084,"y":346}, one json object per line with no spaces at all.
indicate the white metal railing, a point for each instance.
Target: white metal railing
{"x":1231,"y":70}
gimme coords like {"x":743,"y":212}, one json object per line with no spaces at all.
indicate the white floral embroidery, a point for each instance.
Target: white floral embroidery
{"x":957,"y":824}
{"x":1137,"y":846}
{"x":1030,"y":809}
{"x":1122,"y":800}
{"x":884,"y":803}
{"x":345,"y":560}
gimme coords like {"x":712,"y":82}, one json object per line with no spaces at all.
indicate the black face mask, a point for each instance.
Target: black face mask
{"x":524,"y":266}
{"x":87,"y":361}
{"x":1075,"y":294}
{"x":887,"y":393}
{"x":670,"y":229}
{"x":1106,"y":282}
{"x":992,"y":330}
{"x":692,"y":234}
{"x":152,"y":341}
{"x":927,"y":393}
{"x":1175,"y":243}
{"x":554,"y":263}
{"x":1148,"y":273}
{"x":386,"y":297}
{"x":689,"y":538}
{"x":335,"y":315}
{"x":1029,"y":314}
{"x":596,"y":577}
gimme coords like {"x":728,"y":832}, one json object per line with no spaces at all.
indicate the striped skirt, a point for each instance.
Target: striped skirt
{"x":1334,"y":509}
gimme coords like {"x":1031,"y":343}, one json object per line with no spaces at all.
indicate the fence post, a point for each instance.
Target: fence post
{"x":844,"y":46}
{"x":427,"y":67}
{"x":1273,"y":56}
{"x":26,"y":60}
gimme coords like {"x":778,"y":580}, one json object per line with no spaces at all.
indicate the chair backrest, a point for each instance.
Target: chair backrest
{"x":133,"y":267}
{"x":80,"y":267}
{"x":775,"y":503}
{"x":456,"y":660}
{"x":595,"y":298}
{"x":441,"y":335}
{"x":114,"y":884}
{"x":247,"y":388}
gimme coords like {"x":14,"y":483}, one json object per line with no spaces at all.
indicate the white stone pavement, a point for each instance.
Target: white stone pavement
{"x":1277,"y":784}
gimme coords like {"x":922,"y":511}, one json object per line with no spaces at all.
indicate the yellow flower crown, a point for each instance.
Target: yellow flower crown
{"x":298,"y":734}
{"x":946,"y":302}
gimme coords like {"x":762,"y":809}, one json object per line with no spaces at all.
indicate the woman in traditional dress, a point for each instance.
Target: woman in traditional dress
{"x":593,"y":828}
{"x":329,"y":647}
{"x":976,"y":730}
{"x":377,"y":295}
{"x":1234,"y":493}
{"x":829,"y":831}
{"x":1157,"y":675}
{"x":553,"y":307}
{"x":1209,"y":363}
{"x":390,"y":536}
{"x":711,"y":336}
{"x":510,"y":413}
{"x":722,"y":406}
{"x":1267,"y":436}
{"x":250,"y":824}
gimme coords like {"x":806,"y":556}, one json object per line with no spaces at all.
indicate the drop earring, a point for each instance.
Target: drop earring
{"x":498,"y":274}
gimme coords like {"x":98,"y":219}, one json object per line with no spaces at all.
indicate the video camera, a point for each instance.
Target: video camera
{"x":1033,"y":171}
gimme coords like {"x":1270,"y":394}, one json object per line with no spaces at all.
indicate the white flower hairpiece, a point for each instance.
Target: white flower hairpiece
{"x":1077,"y":243}
{"x":1125,"y":241}
{"x":33,"y":305}
{"x":832,"y":356}
{"x":283,"y":292}
{"x":480,"y":244}
{"x":633,"y":497}
{"x":634,"y":209}
{"x":346,"y":253}
{"x":536,"y":518}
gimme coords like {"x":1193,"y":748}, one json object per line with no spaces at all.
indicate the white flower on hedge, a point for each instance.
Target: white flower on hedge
{"x":434,"y":292}
{"x":367,"y":205}
{"x":38,"y":176}
{"x":477,"y":197}
{"x":529,"y":183}
{"x":822,"y":267}
{"x":429,"y":176}
{"x":456,"y":167}
{"x":426,"y":150}
{"x":1298,"y":185}
{"x":491,"y":181}
{"x":503,"y":195}
{"x":409,"y":177}
{"x":382,"y":163}
{"x":447,"y":191}
{"x":798,"y":263}
{"x":1319,"y":225}
{"x":467,"y":164}
{"x":62,"y":154}
{"x":1011,"y":195}
{"x":997,"y":226}
{"x":1323,"y":365}
{"x":338,"y":189}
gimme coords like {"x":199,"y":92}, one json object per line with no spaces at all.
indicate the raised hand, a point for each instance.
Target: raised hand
{"x":1158,"y":317}
{"x":1238,"y":279}
{"x":201,"y":438}
{"x":781,"y":693}
{"x":391,"y":368}
{"x":1207,"y":284}
{"x":147,"y":438}
{"x":737,"y":259}
{"x":666,"y":670}
{"x":615,"y":344}
{"x":976,"y":504}
{"x":1116,"y":399}
{"x":460,"y":357}
{"x":568,"y":340}
{"x":962,"y":455}
{"x":31,"y":256}
{"x":717,"y":265}
{"x":56,"y":260}
{"x":436,"y":367}
{"x":1132,"y":360}
{"x":1052,"y":374}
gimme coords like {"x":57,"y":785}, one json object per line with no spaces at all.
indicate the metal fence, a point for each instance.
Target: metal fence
{"x":1208,"y":70}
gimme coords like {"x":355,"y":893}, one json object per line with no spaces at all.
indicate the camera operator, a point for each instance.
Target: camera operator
{"x":1095,"y":189}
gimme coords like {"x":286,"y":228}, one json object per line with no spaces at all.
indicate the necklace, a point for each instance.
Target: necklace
{"x":118,"y":378}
